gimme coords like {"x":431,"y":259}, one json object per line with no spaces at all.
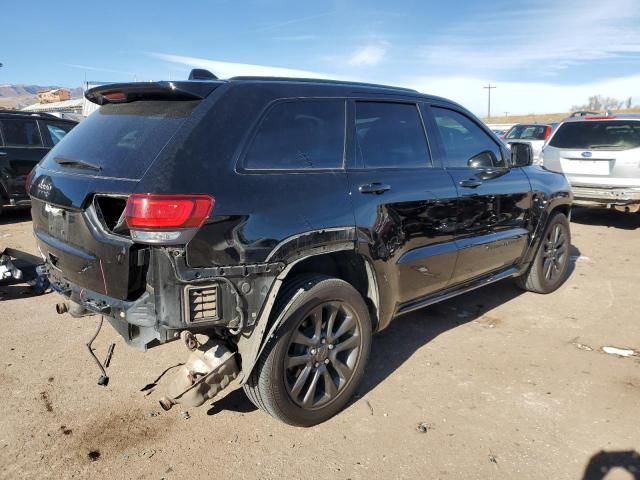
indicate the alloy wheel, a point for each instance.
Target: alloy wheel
{"x":555,"y":253}
{"x":323,"y":354}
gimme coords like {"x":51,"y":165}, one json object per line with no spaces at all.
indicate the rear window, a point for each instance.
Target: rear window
{"x":300,"y":135}
{"x":122,"y":139}
{"x":598,"y":135}
{"x":526,"y":132}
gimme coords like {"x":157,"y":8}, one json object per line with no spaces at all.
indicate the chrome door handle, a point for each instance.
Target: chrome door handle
{"x":375,"y":187}
{"x":470,"y":183}
{"x":3,"y":154}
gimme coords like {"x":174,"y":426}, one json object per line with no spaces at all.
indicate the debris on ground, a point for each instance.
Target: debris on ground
{"x":369,"y":405}
{"x":185,"y":415}
{"x":147,"y":453}
{"x":493,"y":458}
{"x":581,"y":346}
{"x":424,"y":427}
{"x":152,"y":414}
{"x":580,"y":258}
{"x":622,"y":352}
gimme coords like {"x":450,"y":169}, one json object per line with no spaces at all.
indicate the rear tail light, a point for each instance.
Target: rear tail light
{"x":166,"y":218}
{"x":115,"y":96}
{"x":27,"y":182}
{"x":547,"y":133}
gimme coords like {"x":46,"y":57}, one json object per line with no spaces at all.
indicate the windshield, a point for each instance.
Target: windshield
{"x":594,"y":135}
{"x":526,"y":132}
{"x":120,"y":140}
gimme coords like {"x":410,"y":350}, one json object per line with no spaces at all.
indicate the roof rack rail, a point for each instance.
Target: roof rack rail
{"x":25,"y":113}
{"x":583,"y":113}
{"x":323,"y":80}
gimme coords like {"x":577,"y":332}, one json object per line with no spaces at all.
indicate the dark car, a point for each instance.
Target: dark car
{"x":24,"y":139}
{"x":287,"y":220}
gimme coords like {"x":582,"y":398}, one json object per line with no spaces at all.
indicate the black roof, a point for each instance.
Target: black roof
{"x":322,"y":81}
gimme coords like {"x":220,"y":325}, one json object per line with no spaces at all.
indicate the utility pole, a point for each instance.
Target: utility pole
{"x":489,"y":88}
{"x":506,"y":114}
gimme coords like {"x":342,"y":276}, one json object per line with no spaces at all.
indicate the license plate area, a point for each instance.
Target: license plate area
{"x":57,"y":221}
{"x":586,"y":167}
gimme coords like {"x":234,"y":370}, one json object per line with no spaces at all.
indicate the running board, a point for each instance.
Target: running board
{"x":454,"y":292}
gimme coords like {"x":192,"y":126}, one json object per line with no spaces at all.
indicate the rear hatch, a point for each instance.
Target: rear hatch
{"x":602,"y":153}
{"x":79,"y":190}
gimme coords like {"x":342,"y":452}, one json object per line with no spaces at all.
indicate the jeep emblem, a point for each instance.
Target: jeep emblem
{"x":44,"y":186}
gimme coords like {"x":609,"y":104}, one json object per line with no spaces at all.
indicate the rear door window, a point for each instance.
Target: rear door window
{"x":21,"y":133}
{"x":122,"y":139}
{"x":598,"y":135}
{"x":299,"y":135}
{"x":465,"y":142}
{"x":390,"y":135}
{"x":57,"y":131}
{"x":526,"y":132}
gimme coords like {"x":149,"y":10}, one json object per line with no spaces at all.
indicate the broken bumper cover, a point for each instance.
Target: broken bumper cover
{"x":135,"y":320}
{"x":602,"y":196}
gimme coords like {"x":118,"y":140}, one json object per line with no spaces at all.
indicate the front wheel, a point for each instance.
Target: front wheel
{"x":550,"y":267}
{"x":311,"y":368}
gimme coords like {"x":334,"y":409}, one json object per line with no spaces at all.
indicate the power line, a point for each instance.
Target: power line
{"x":489,"y":88}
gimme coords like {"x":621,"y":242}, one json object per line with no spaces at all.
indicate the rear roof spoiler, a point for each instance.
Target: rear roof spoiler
{"x":131,"y":92}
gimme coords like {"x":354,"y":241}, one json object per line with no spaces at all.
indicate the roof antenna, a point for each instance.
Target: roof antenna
{"x":201,"y":74}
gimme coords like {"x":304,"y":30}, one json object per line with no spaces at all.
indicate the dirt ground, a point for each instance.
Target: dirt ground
{"x":505,"y":384}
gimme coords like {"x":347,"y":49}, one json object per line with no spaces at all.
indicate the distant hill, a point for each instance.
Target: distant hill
{"x":19,"y":96}
{"x":542,"y":117}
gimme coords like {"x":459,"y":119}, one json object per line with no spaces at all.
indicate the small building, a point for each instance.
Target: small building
{"x":66,"y":109}
{"x":54,"y":95}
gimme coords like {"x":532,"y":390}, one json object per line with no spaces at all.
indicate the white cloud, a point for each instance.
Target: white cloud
{"x":231,"y":69}
{"x":523,"y":97}
{"x":96,"y":69}
{"x":292,"y":21}
{"x":369,"y":55}
{"x":547,"y":38}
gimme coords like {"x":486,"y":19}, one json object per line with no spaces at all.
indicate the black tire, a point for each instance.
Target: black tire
{"x":311,"y":367}
{"x":550,"y":267}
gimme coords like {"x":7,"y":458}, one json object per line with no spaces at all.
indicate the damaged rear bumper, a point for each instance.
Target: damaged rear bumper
{"x":176,"y":298}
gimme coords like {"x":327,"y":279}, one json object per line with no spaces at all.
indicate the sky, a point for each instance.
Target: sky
{"x":543,"y":56}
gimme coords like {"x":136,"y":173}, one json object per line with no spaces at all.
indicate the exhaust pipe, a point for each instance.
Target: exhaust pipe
{"x":632,"y":208}
{"x":72,"y":308}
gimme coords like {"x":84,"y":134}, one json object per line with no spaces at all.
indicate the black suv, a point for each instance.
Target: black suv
{"x":24,"y":139}
{"x":287,"y":220}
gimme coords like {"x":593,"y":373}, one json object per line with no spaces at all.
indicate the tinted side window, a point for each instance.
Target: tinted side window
{"x":390,"y":135}
{"x":305,"y":134}
{"x":57,"y":131}
{"x":21,"y":133}
{"x":465,"y":143}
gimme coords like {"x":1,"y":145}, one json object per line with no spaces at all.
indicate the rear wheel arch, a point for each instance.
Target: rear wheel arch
{"x":345,"y":265}
{"x":349,"y":266}
{"x":565,"y":209}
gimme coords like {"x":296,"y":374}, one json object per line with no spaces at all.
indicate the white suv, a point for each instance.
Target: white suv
{"x":600,"y":156}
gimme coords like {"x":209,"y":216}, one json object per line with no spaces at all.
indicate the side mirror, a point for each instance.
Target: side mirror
{"x":521,"y":154}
